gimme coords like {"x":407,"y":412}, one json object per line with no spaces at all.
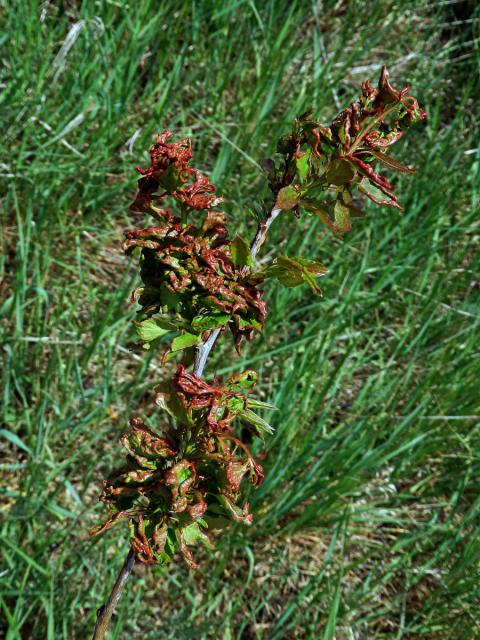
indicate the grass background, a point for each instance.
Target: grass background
{"x":368,"y":523}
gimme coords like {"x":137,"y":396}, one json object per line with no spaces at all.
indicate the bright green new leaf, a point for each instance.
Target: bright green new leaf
{"x":153,"y":328}
{"x":210,"y":321}
{"x":303,"y":165}
{"x":240,"y":252}
{"x":184,"y":341}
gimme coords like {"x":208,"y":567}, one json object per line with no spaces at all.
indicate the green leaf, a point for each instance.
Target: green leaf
{"x":342,"y":217}
{"x":153,"y":328}
{"x":303,"y":165}
{"x":259,"y":404}
{"x":183,"y":341}
{"x":192,"y":535}
{"x":292,"y":272}
{"x":232,"y":510}
{"x":340,"y":171}
{"x":172,"y":404}
{"x":240,"y":252}
{"x":375,"y":194}
{"x":210,"y":321}
{"x":249,"y":323}
{"x":256,"y":421}
{"x":287,"y":198}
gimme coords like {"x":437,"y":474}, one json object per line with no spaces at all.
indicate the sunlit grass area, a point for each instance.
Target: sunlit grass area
{"x":368,"y":523}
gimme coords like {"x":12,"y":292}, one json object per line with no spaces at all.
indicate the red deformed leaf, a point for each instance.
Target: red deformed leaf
{"x":391,"y":163}
{"x":357,"y":136}
{"x":233,"y":511}
{"x":171,"y":174}
{"x":180,"y":478}
{"x":109,"y":523}
{"x":143,"y":444}
{"x":141,"y":543}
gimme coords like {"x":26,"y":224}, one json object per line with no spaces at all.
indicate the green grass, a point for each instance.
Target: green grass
{"x":368,"y":522}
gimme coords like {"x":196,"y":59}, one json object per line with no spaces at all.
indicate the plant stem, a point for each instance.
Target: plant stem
{"x":105,"y":612}
{"x":262,"y":231}
{"x":203,"y":350}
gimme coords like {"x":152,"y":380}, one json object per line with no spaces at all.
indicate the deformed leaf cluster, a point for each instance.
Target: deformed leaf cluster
{"x":184,"y":480}
{"x":329,"y":165}
{"x":193,"y":281}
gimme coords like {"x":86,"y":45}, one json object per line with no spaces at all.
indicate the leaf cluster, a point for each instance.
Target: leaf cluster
{"x":329,"y":165}
{"x":193,"y":282}
{"x":178,"y":486}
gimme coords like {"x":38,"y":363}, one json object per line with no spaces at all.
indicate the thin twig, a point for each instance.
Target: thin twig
{"x":262,"y":231}
{"x":105,"y":612}
{"x":202,"y":352}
